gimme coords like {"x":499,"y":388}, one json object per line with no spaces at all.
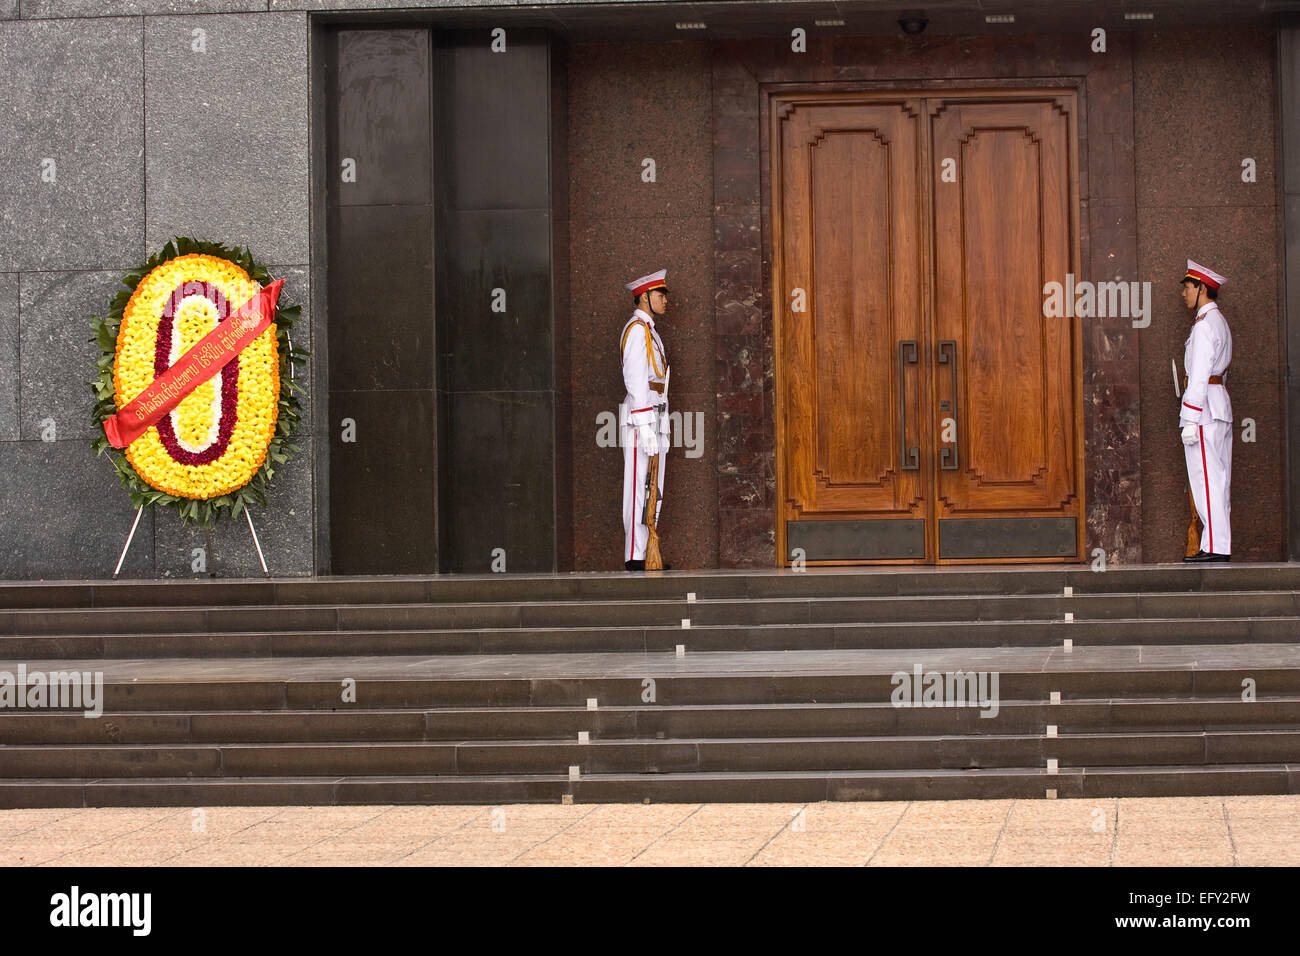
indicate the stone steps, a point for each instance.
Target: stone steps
{"x":819,"y":582}
{"x":682,"y":755}
{"x":475,"y":689}
{"x":788,"y":787}
{"x":667,"y":613}
{"x":633,"y":639}
{"x":651,"y":722}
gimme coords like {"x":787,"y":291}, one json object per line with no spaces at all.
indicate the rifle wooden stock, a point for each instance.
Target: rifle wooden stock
{"x":653,"y":560}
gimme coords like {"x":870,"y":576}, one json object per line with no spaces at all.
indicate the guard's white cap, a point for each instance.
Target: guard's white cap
{"x":1199,"y":272}
{"x":655,"y":280}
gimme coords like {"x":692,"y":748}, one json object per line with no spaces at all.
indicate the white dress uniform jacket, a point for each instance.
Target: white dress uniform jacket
{"x":644,"y":361}
{"x":1208,"y":352}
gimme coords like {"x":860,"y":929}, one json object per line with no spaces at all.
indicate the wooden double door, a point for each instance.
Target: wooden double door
{"x":927,"y":410}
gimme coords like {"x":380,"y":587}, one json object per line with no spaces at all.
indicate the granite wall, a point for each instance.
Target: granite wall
{"x":1192,"y":202}
{"x":163,"y":117}
{"x":1288,"y":70}
{"x":122,"y":126}
{"x":629,"y":103}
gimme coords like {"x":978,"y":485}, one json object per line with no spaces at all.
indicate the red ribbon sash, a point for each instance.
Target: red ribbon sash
{"x":195,"y":367}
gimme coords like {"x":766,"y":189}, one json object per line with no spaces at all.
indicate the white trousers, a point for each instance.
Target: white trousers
{"x":635,"y":461}
{"x":1209,"y":472}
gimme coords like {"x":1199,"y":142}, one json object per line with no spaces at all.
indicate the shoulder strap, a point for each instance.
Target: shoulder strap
{"x":650,"y":361}
{"x":627,"y":331}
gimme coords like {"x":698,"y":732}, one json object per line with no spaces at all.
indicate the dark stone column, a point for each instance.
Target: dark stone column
{"x":1288,"y":72}
{"x":494,"y":296}
{"x":381,"y":344}
{"x":746,"y":424}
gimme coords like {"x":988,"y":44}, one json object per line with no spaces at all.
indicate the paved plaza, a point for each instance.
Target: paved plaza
{"x":1185,"y":831}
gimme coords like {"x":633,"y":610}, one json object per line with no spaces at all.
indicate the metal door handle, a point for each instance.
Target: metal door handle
{"x":947,"y":355}
{"x":907,"y":355}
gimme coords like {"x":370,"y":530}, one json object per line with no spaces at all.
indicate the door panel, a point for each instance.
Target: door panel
{"x":1002,"y":231}
{"x":922,"y":388}
{"x":852,"y":244}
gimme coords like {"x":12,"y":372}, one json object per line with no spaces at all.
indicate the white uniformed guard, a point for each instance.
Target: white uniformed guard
{"x":645,"y":427}
{"x":1206,"y":413}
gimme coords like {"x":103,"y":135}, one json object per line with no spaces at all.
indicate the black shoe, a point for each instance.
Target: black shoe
{"x":635,"y":565}
{"x":1203,"y":556}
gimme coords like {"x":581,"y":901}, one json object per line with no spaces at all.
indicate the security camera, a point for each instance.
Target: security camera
{"x":913,"y":22}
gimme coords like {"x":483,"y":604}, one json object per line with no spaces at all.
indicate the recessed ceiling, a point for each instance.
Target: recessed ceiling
{"x":656,"y":20}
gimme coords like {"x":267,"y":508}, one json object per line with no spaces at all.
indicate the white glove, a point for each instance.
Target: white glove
{"x":1190,"y":435}
{"x":648,"y":439}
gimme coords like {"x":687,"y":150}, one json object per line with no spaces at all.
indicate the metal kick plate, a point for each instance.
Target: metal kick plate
{"x":1008,"y":538}
{"x":857,"y":540}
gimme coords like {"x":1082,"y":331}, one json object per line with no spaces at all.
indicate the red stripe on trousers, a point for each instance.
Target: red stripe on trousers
{"x":1209,"y":518}
{"x":632,"y":548}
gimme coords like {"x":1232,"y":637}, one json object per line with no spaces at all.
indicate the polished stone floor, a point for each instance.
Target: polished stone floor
{"x":1184,"y":831}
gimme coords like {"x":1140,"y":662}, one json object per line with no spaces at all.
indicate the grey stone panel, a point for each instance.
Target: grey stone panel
{"x":501,"y":490}
{"x":381,"y":330}
{"x":495,"y":122}
{"x":1288,"y":75}
{"x":297,"y":285}
{"x":66,"y":514}
{"x":9,"y":356}
{"x":382,"y":106}
{"x":486,"y":5}
{"x":37,"y":9}
{"x":8,"y":9}
{"x":284,"y":529}
{"x":73,"y":91}
{"x":227,"y":129}
{"x":483,"y":350}
{"x":58,"y":356}
{"x":277,"y":5}
{"x":382,"y":483}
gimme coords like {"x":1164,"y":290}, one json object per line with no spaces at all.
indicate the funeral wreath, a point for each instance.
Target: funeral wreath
{"x":195,"y":389}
